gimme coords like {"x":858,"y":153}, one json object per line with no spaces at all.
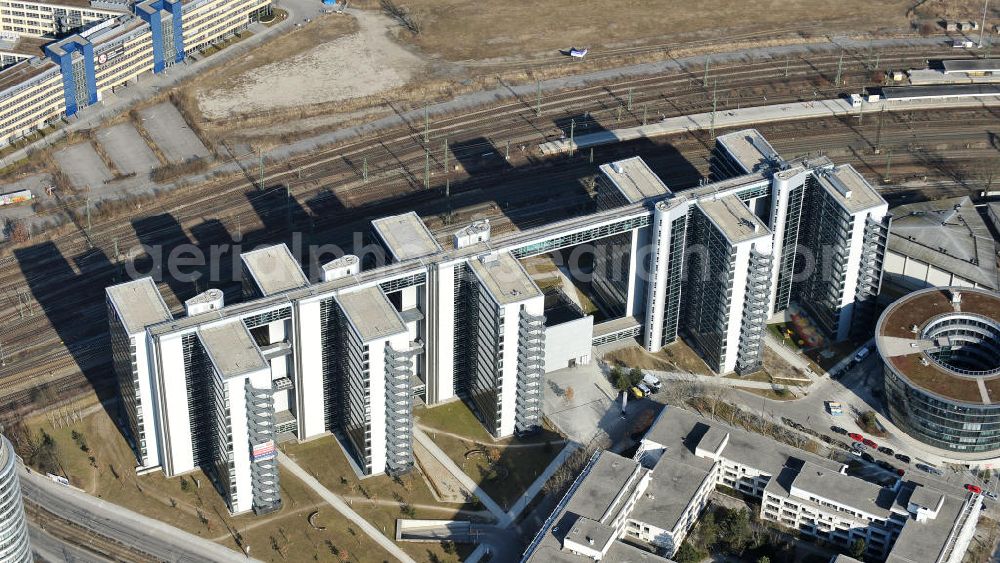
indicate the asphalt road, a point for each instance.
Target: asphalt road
{"x":50,"y":549}
{"x":161,"y":541}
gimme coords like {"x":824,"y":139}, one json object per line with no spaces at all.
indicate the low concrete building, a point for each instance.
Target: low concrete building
{"x":939,"y":243}
{"x":655,"y":498}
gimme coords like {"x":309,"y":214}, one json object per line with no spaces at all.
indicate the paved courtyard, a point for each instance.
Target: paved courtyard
{"x":127,"y":149}
{"x":592,"y":407}
{"x":83,"y":166}
{"x":173,"y":136}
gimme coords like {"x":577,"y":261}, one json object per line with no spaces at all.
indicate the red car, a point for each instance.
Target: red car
{"x":870,"y":443}
{"x":976,"y":489}
{"x":856,"y":437}
{"x":900,"y":472}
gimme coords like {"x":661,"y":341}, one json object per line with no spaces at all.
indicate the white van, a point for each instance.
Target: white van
{"x":651,"y":380}
{"x":862,"y":354}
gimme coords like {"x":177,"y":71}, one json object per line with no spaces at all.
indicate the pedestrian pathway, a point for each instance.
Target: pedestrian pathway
{"x":435,"y":431}
{"x":502,"y":518}
{"x":712,"y":379}
{"x":772,"y":342}
{"x":340,"y":506}
{"x":536,"y":486}
{"x":495,"y":543}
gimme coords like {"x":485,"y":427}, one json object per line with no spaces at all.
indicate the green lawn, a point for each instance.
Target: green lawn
{"x":380,"y":499}
{"x":192,"y":504}
{"x":518,"y":462}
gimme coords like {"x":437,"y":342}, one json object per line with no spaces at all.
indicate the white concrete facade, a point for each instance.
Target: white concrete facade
{"x":568,"y":344}
{"x":466,"y":322}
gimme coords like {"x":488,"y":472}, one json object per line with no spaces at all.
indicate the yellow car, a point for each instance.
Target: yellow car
{"x":636,"y":392}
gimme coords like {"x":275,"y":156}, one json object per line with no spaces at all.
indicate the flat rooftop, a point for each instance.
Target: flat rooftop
{"x":749,"y":148}
{"x":680,"y":432}
{"x":634,"y":179}
{"x":949,"y":234}
{"x":23,"y":72}
{"x":942,"y":91}
{"x":274,"y":269}
{"x":922,"y":541}
{"x":672,"y":487}
{"x":733,"y":219}
{"x":849,"y":189}
{"x":846,"y":490}
{"x":139,"y":304}
{"x":607,"y":478}
{"x":370,"y":313}
{"x":231,"y":348}
{"x":895,"y":339}
{"x":25,"y":46}
{"x":504,"y":278}
{"x":82,"y":4}
{"x":406,"y":237}
{"x":971,"y":65}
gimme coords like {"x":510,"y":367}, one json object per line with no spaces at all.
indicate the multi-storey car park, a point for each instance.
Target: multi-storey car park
{"x":941,"y":353}
{"x":654,"y":498}
{"x":460,"y":317}
{"x":14,"y":547}
{"x":89,"y":49}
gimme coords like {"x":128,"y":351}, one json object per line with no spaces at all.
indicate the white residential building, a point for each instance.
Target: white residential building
{"x":347,"y":353}
{"x":660,"y":493}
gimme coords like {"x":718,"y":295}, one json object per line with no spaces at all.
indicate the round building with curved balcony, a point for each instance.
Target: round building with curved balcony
{"x":13,"y":525}
{"x":940,"y":349}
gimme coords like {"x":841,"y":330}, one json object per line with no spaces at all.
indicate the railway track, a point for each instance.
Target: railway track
{"x":84,"y":538}
{"x":395,"y":164}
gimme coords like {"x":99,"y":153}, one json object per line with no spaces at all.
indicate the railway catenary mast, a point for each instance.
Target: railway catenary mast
{"x":347,"y":353}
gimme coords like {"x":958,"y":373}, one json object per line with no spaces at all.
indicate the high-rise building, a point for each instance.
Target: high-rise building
{"x":351,"y":351}
{"x":14,"y":546}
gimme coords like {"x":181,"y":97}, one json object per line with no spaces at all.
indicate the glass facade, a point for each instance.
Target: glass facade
{"x":961,"y":348}
{"x":14,"y":546}
{"x":708,"y":290}
{"x":939,"y":422}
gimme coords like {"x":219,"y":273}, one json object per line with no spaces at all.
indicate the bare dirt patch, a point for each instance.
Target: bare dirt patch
{"x":333,"y":58}
{"x":677,"y":356}
{"x":459,"y":30}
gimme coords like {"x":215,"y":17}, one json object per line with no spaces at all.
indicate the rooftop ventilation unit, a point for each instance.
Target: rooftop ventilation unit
{"x":210,"y":300}
{"x":347,"y":265}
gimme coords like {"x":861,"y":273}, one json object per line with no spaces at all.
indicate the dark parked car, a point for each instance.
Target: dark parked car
{"x":903,"y":458}
{"x":839,"y":430}
{"x":528,"y":432}
{"x":886,"y":451}
{"x":867,"y":457}
{"x":929,"y":469}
